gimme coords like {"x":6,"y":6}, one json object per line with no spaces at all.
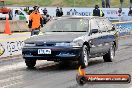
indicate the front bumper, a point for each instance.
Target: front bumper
{"x":57,"y":53}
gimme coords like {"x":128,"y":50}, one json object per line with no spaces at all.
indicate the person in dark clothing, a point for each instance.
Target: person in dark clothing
{"x":130,"y":3}
{"x":107,"y":3}
{"x":60,"y":12}
{"x":130,"y":12}
{"x":45,"y":11}
{"x":121,"y":1}
{"x":30,"y":11}
{"x":26,"y":9}
{"x":120,"y":11}
{"x":46,"y":18}
{"x":57,"y":12}
{"x":97,"y":11}
{"x":103,"y":4}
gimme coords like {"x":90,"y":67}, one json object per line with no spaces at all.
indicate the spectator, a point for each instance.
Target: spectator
{"x":35,"y":21}
{"x":130,"y":3}
{"x":120,"y":11}
{"x":103,"y":4}
{"x":97,"y":11}
{"x":130,"y":12}
{"x":57,"y":12}
{"x":45,"y":11}
{"x":30,"y":11}
{"x":121,"y":1}
{"x":16,"y":12}
{"x":46,"y":18}
{"x":26,"y":9}
{"x":107,"y":3}
{"x":60,"y":12}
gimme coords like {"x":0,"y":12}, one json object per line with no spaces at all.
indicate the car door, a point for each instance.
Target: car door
{"x":95,"y":41}
{"x":105,"y":26}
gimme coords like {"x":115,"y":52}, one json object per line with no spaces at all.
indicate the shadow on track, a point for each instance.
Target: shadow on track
{"x":63,"y":66}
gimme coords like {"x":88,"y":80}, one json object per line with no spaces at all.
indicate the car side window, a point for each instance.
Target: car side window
{"x":108,"y":24}
{"x":104,"y":24}
{"x":94,"y":24}
{"x":85,"y":25}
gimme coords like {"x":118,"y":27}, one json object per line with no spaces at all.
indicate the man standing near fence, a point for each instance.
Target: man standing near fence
{"x":121,"y":1}
{"x":103,"y":3}
{"x":35,"y":21}
{"x":130,"y":12}
{"x":97,"y":11}
{"x":130,"y":3}
{"x":107,"y":3}
{"x":57,"y":12}
{"x":60,"y":12}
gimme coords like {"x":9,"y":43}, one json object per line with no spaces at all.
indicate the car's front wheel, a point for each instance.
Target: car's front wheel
{"x":110,"y":55}
{"x":30,"y":63}
{"x":84,"y":58}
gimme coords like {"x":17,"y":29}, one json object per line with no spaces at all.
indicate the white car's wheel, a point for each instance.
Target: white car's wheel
{"x":83,"y":60}
{"x":30,"y":63}
{"x":110,"y":55}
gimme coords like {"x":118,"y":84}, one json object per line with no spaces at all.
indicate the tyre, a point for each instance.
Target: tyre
{"x":30,"y":63}
{"x":84,"y":57}
{"x":110,"y":55}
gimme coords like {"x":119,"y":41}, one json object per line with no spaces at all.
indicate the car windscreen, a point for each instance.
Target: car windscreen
{"x":66,"y":25}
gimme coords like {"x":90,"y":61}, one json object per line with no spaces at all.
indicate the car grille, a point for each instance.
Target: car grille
{"x":45,"y":44}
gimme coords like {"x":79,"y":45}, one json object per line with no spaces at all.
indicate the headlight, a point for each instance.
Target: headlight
{"x":67,"y":44}
{"x":29,"y":44}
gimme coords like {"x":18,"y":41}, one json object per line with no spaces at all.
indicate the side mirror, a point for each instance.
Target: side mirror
{"x":93,"y":31}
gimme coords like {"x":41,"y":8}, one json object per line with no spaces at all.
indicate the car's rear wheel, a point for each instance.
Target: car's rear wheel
{"x":30,"y":63}
{"x":110,"y":55}
{"x":84,"y":58}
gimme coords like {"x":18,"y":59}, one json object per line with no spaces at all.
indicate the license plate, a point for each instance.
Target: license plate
{"x":44,"y":51}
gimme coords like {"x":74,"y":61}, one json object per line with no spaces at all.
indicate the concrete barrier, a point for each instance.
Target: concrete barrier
{"x":15,"y":26}
{"x":2,"y":26}
{"x":23,"y":26}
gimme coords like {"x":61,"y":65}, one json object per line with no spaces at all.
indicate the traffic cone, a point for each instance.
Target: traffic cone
{"x":7,"y":27}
